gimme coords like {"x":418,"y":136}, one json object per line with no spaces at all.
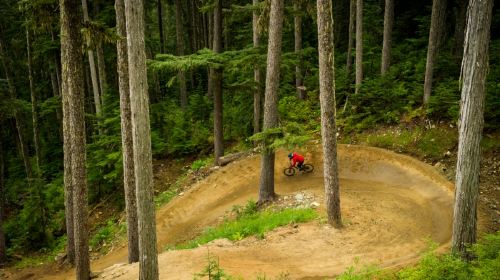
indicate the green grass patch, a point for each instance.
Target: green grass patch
{"x":252,"y":224}
{"x":165,"y":197}
{"x":490,"y":143}
{"x":106,"y":234}
{"x":432,"y":142}
{"x":44,"y":256}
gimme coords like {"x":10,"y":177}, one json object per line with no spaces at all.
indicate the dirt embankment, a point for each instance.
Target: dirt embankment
{"x":392,"y":205}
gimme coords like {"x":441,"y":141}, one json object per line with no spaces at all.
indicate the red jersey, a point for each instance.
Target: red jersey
{"x":296,"y":158}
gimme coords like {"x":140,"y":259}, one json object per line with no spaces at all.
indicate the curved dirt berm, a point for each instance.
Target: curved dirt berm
{"x":392,"y":205}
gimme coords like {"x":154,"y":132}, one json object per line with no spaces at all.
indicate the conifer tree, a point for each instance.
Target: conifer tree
{"x":72,"y":76}
{"x":435,"y":34}
{"x":126,"y":131}
{"x":473,"y":77}
{"x":141,"y":135}
{"x":266,"y":192}
{"x":327,"y":99}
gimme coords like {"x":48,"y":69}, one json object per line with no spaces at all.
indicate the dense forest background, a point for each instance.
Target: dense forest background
{"x":31,"y":150}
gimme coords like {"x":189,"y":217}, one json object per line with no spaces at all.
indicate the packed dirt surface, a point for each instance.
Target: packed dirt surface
{"x":392,"y":206}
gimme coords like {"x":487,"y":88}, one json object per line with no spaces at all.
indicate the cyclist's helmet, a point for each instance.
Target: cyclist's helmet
{"x":290,"y":155}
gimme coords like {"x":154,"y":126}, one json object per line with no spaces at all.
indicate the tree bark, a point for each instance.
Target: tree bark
{"x":159,"y":7}
{"x":34,"y":106}
{"x":217,"y":84}
{"x":298,"y":48}
{"x":474,"y":72}
{"x":73,"y":89}
{"x":180,"y":51}
{"x":436,"y":31}
{"x":101,"y":66}
{"x":126,"y":130}
{"x":352,"y":27}
{"x":141,"y":135}
{"x":257,"y":95}
{"x":93,"y":71}
{"x":3,"y":251}
{"x":460,"y":29}
{"x":327,"y":99}
{"x":266,"y":191}
{"x":359,"y":44}
{"x":386,"y":48}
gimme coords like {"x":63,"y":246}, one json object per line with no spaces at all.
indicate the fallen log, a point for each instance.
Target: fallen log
{"x":229,"y":158}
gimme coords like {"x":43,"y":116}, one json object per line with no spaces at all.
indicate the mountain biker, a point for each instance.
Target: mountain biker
{"x":296,"y":159}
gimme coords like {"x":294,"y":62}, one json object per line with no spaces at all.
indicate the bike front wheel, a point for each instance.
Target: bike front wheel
{"x":290,"y":171}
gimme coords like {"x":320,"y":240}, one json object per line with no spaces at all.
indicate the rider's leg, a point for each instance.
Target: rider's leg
{"x":300,"y":165}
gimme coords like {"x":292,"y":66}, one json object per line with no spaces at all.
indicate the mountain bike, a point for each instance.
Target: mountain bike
{"x":306,"y":168}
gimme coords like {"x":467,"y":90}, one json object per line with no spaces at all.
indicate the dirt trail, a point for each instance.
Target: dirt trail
{"x":392,"y":205}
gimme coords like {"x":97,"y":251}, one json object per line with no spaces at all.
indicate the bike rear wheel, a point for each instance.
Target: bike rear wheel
{"x":307,"y":168}
{"x":290,"y":171}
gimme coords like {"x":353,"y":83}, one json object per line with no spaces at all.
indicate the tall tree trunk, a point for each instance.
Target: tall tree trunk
{"x":474,"y":72}
{"x":266,"y":192}
{"x":327,"y":99}
{"x":101,"y":64}
{"x":352,"y":27}
{"x":159,"y":7}
{"x":34,"y":106}
{"x":217,"y":84}
{"x":210,"y":46}
{"x":256,"y":73}
{"x":227,"y":29}
{"x":141,"y":135}
{"x":73,"y":88}
{"x":180,"y":51}
{"x":56,"y":64}
{"x":3,"y":251}
{"x":436,"y":31}
{"x":297,"y":19}
{"x":386,"y":48}
{"x":359,"y":44}
{"x":460,"y":29}
{"x":93,"y":71}
{"x":126,"y":130}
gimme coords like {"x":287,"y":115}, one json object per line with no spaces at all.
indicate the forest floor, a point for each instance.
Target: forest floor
{"x":392,"y":206}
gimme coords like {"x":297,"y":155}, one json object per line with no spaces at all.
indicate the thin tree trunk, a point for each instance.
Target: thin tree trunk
{"x":359,"y":44}
{"x":266,"y":191}
{"x":352,"y":27}
{"x":327,"y":99}
{"x":227,"y":28}
{"x":103,"y":85}
{"x":159,"y":7}
{"x":3,"y":250}
{"x":180,"y":51}
{"x":217,"y":84}
{"x":141,"y":135}
{"x":205,"y":30}
{"x":126,"y":130}
{"x":55,"y":92}
{"x":73,"y":89}
{"x":298,"y":48}
{"x":460,"y":29}
{"x":436,"y":31}
{"x":56,"y":64}
{"x":257,"y":95}
{"x":34,"y":106}
{"x":386,"y":48}
{"x":474,"y":72}
{"x":93,"y":71}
